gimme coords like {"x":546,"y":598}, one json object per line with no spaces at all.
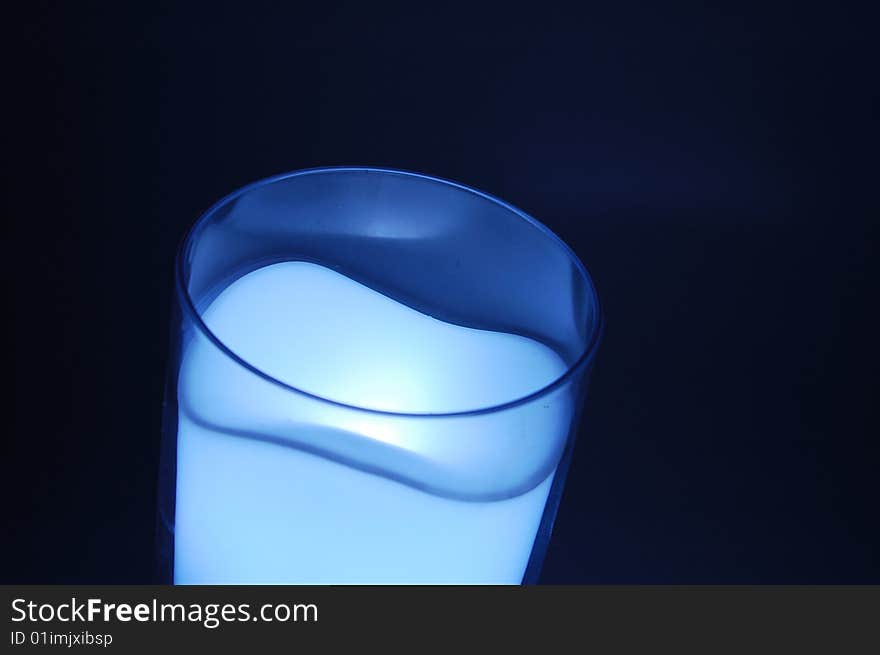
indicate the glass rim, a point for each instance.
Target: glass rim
{"x":188,"y":305}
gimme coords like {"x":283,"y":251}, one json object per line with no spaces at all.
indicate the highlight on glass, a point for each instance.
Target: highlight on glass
{"x":375,"y":378}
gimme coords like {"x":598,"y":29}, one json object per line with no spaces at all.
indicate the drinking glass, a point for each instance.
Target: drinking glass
{"x":375,"y":377}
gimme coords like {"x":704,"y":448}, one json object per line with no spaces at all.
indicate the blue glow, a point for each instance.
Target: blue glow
{"x":303,"y":501}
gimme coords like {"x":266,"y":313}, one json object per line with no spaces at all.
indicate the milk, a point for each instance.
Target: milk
{"x":294,"y":485}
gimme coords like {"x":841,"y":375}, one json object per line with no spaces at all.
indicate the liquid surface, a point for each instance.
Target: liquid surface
{"x":251,"y":511}
{"x":323,"y":333}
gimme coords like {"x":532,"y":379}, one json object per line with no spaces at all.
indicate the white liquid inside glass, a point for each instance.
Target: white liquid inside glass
{"x":251,"y":511}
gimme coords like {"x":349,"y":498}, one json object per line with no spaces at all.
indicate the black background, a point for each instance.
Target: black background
{"x":715,"y":168}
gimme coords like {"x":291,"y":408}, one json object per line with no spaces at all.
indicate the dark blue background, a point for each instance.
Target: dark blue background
{"x":715,"y":168}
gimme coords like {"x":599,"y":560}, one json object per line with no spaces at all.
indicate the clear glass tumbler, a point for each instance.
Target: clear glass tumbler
{"x":375,"y":378}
